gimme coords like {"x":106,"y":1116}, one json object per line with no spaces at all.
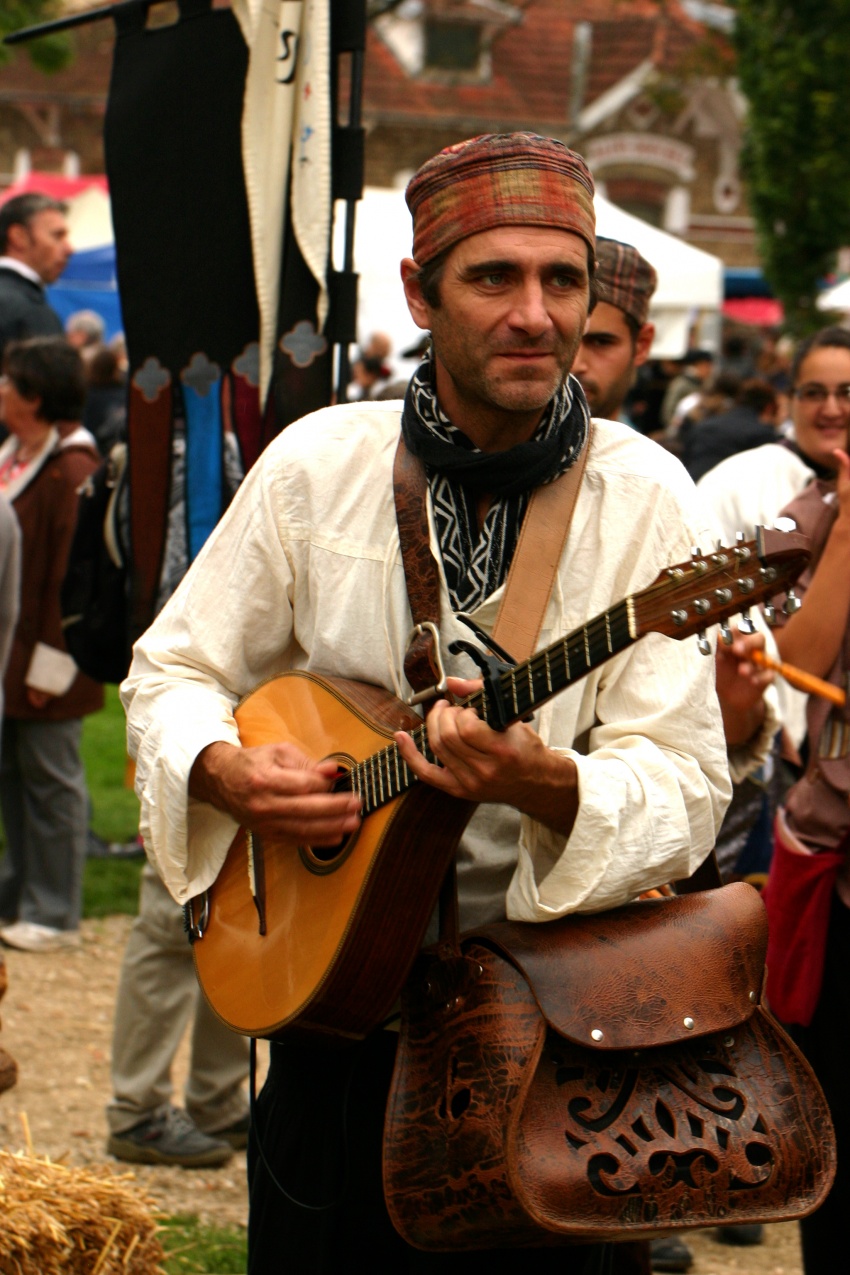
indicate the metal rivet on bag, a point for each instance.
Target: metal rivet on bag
{"x":596,"y":1034}
{"x":689,"y":1023}
{"x":754,"y":997}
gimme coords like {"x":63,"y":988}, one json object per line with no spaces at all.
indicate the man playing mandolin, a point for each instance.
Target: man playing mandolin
{"x":617,"y":785}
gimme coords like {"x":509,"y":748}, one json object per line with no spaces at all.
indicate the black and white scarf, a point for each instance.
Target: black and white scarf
{"x":458,"y":473}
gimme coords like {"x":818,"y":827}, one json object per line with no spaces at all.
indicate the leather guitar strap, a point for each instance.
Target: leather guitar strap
{"x":523,"y":606}
{"x":545,"y":528}
{"x":410,"y":489}
{"x":530,"y":577}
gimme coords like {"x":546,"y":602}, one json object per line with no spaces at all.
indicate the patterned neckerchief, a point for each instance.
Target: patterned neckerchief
{"x":476,"y":562}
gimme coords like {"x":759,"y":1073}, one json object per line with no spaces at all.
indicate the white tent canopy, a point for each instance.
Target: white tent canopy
{"x":835,"y":298}
{"x":689,"y":281}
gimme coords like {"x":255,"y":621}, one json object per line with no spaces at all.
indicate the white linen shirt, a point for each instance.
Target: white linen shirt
{"x":750,"y":488}
{"x":304,"y":572}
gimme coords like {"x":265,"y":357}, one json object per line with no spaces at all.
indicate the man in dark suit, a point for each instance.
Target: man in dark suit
{"x":34,"y":250}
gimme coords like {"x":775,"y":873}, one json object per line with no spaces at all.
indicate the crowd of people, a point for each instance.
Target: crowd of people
{"x":680,"y":755}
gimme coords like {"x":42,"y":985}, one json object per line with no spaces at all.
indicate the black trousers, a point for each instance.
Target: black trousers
{"x":318,"y":1130}
{"x":824,"y":1233}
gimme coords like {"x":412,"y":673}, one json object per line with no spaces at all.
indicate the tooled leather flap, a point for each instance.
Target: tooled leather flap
{"x":650,"y":973}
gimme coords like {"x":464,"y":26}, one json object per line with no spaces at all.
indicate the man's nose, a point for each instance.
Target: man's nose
{"x":834,"y":404}
{"x":579,"y":362}
{"x":530,"y":312}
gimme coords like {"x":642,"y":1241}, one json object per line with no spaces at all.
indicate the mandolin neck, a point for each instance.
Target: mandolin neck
{"x":523,"y":688}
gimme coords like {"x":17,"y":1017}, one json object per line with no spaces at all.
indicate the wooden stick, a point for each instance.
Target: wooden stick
{"x":803,"y":681}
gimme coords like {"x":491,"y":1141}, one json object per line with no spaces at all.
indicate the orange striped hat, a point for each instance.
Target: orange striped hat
{"x":499,"y":179}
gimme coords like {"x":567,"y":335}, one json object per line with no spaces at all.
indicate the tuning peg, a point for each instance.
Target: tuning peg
{"x":741,"y":550}
{"x":703,"y":644}
{"x":770,"y":613}
{"x":745,"y":623}
{"x":699,"y":564}
{"x":792,"y":603}
{"x":726,"y":634}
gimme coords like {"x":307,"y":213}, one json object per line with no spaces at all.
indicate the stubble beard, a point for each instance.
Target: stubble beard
{"x":523,"y":392}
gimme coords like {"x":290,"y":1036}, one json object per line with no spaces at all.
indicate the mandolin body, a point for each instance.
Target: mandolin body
{"x":341,"y":929}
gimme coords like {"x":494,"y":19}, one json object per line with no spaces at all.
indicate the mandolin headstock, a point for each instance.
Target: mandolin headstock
{"x":711,"y":587}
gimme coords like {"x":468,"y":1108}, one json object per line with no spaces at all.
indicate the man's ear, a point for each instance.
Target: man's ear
{"x":643,"y":343}
{"x":17,"y":237}
{"x":416,"y":303}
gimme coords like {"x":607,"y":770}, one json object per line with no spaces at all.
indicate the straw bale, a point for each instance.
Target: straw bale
{"x":64,"y":1220}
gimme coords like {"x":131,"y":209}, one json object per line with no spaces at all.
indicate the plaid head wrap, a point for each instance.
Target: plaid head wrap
{"x":499,"y":179}
{"x":625,"y":279}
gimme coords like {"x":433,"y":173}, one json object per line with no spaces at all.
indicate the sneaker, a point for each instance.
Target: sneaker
{"x":669,"y":1253}
{"x":28,"y":936}
{"x":169,"y":1138}
{"x":100,"y":849}
{"x":743,"y":1235}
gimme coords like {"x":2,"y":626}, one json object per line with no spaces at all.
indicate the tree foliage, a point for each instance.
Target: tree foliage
{"x":50,"y":52}
{"x":793,"y":69}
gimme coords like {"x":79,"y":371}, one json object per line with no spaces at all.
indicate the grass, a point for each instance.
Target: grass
{"x":115,"y":810}
{"x":194,"y":1249}
{"x":110,"y":886}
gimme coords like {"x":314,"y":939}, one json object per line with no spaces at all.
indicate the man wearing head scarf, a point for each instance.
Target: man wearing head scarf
{"x":618,"y":337}
{"x":617,"y":785}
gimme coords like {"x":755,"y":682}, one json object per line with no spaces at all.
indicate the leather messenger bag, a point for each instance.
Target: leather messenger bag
{"x":612,"y":1076}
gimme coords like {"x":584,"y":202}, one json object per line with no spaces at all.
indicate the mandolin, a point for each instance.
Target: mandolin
{"x":315,"y":939}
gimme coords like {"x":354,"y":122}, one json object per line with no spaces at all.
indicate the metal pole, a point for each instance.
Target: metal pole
{"x":354,"y":117}
{"x":75,"y":20}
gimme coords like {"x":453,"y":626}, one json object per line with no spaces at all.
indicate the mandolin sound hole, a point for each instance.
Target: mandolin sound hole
{"x":324,"y":859}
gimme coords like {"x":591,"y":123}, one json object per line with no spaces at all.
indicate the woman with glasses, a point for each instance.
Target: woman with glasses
{"x":43,"y":793}
{"x":752,"y":486}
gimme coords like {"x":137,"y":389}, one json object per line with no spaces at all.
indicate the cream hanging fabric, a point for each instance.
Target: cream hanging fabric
{"x":286,"y":127}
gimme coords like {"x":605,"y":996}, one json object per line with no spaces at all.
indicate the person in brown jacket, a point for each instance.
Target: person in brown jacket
{"x":43,"y":794}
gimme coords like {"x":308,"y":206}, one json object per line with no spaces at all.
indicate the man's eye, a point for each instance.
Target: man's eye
{"x":564,"y":280}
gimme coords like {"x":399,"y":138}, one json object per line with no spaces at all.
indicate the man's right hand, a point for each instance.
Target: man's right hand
{"x":274,"y":789}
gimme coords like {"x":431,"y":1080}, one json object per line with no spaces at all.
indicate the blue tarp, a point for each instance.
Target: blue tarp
{"x":89,"y":283}
{"x":745,"y":281}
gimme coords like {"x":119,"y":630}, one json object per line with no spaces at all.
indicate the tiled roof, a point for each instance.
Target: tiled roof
{"x":532,"y":65}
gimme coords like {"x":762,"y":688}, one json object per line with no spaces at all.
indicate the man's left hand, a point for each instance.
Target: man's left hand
{"x":513,"y":767}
